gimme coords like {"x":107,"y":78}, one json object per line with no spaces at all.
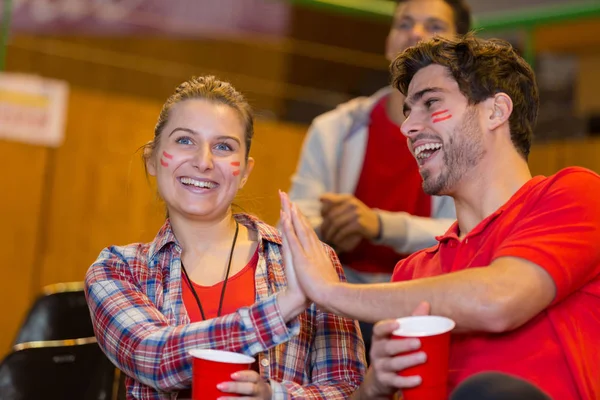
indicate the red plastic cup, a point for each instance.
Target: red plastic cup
{"x":434,"y":334}
{"x":211,"y":367}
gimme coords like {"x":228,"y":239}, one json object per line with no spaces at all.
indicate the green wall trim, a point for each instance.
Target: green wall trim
{"x":525,"y":18}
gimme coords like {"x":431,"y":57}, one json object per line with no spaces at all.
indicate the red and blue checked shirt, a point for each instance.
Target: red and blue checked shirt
{"x":134,"y":295}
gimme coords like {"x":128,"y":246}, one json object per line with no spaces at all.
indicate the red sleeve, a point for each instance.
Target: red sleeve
{"x":561,"y":232}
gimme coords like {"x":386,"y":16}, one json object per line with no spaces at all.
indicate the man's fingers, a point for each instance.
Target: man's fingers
{"x":402,"y":362}
{"x":383,"y":329}
{"x":350,"y":228}
{"x":422,"y":309}
{"x":304,"y":231}
{"x":349,"y":243}
{"x":334,"y":198}
{"x":340,"y":209}
{"x":333,"y":225}
{"x":402,"y":382}
{"x":392,"y":347}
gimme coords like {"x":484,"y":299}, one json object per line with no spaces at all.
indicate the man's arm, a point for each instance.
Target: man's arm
{"x":550,"y":254}
{"x":497,"y":298}
{"x":311,"y":179}
{"x":345,"y":216}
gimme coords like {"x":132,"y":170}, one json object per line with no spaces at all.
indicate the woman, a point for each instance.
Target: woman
{"x":211,"y":279}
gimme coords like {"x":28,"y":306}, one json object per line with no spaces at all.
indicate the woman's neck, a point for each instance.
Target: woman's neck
{"x":198,"y":236}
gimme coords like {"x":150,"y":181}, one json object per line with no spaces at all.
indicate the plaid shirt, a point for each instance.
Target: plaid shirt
{"x":134,"y":295}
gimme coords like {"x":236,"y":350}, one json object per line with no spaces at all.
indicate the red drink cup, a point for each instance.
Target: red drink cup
{"x":434,"y":334}
{"x":211,"y":367}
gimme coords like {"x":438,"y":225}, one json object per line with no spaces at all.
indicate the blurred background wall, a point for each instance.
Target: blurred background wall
{"x":294,"y":60}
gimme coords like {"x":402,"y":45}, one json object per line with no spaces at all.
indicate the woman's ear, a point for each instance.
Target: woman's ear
{"x":247,"y":171}
{"x":150,"y":161}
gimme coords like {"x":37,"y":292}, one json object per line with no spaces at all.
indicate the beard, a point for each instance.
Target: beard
{"x":462,"y":152}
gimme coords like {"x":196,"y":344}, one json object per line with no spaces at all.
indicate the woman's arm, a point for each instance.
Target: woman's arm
{"x":139,"y":340}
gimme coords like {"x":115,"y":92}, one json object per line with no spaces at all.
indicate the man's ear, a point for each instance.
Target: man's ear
{"x":500,"y":108}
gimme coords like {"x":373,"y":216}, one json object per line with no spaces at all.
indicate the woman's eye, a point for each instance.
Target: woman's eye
{"x":184,"y":140}
{"x":223,"y":147}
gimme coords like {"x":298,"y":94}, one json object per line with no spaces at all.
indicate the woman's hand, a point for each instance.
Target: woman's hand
{"x":249,"y":384}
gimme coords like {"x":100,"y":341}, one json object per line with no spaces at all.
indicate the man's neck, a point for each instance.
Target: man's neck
{"x":395,"y":107}
{"x":488,"y":187}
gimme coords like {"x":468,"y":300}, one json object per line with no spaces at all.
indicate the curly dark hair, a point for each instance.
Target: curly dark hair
{"x":482,"y":68}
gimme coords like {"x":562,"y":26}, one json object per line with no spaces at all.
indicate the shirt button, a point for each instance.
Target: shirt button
{"x":466,"y":241}
{"x":264,"y":362}
{"x":452,"y":244}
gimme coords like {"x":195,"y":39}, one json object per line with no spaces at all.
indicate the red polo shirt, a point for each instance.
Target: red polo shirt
{"x":553,"y":222}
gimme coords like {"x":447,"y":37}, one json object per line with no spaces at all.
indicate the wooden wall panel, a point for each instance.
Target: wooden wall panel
{"x":151,"y":67}
{"x":588,"y":85}
{"x":546,"y":158}
{"x":21,"y":181}
{"x":580,"y":36}
{"x":100,"y":195}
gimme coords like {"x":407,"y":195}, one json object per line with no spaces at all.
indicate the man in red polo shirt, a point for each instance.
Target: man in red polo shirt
{"x":520,"y":271}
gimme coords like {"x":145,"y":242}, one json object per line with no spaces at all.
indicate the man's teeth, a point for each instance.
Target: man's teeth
{"x":420,"y":152}
{"x":200,"y":184}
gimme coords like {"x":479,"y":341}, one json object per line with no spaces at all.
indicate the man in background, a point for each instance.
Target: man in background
{"x":357,"y":181}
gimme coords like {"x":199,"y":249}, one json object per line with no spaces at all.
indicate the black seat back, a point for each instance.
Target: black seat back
{"x":75,"y":369}
{"x":57,"y":316}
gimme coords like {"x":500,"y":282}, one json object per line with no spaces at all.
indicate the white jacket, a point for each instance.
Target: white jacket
{"x":331,"y":161}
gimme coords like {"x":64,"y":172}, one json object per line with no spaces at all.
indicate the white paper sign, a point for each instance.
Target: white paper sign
{"x":33,"y":109}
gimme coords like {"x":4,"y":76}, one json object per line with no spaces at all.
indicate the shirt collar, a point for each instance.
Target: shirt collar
{"x":452,"y":232}
{"x":165,"y":235}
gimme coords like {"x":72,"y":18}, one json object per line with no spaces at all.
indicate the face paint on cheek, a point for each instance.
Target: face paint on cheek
{"x":165,"y":155}
{"x":440,"y":116}
{"x":237,"y":171}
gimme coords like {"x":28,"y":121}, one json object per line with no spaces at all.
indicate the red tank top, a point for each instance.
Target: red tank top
{"x":240,"y":292}
{"x":389,"y":181}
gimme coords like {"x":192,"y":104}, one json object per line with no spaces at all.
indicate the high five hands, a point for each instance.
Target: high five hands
{"x":310,"y":262}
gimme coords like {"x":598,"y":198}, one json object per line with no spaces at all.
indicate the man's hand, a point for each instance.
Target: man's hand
{"x":312,"y":266}
{"x":382,"y":379}
{"x":246,"y":385}
{"x":346,"y":220}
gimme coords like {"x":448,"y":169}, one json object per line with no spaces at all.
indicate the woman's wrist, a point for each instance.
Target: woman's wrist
{"x":290,"y":304}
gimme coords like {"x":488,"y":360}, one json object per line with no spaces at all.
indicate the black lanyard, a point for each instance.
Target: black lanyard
{"x":237,"y":228}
